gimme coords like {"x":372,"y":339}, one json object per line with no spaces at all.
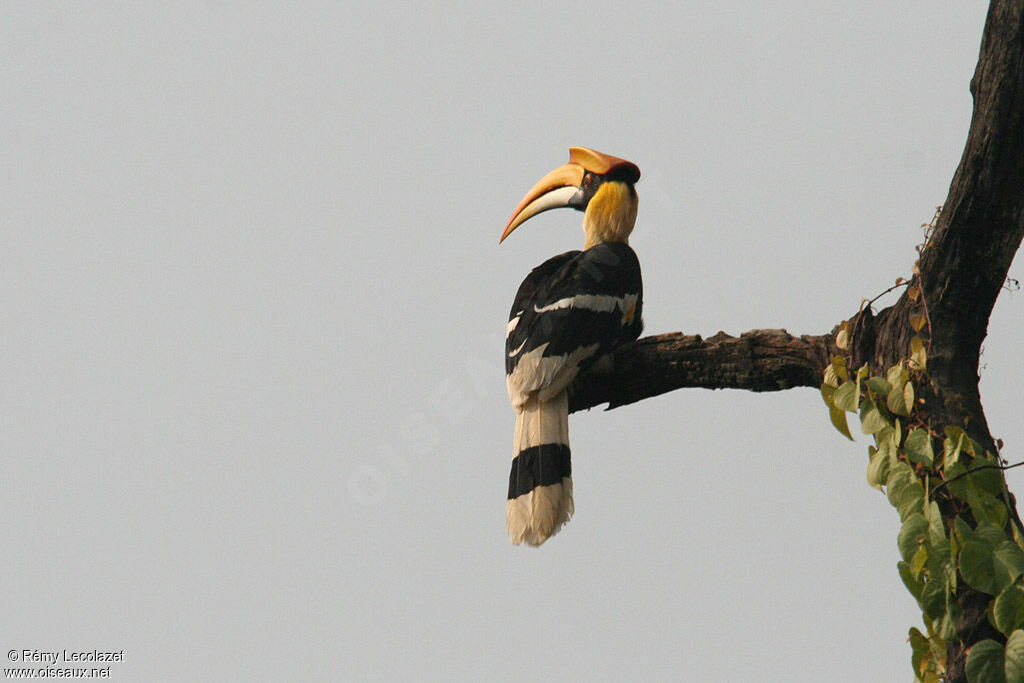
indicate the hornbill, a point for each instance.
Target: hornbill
{"x":570,"y":312}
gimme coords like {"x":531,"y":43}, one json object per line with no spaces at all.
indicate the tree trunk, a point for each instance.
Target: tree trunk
{"x":960,"y":272}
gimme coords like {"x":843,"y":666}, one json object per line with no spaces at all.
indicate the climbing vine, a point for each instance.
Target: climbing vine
{"x":951,"y":497}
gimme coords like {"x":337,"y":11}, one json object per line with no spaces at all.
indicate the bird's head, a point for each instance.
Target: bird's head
{"x":598,"y":184}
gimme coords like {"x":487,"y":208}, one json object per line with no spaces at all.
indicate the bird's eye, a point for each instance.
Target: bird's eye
{"x":587,"y":179}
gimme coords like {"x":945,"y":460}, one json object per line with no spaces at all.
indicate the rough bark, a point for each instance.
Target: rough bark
{"x":958,"y":277}
{"x":759,"y":360}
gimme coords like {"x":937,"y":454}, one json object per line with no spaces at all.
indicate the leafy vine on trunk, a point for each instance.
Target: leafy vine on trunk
{"x":960,"y":540}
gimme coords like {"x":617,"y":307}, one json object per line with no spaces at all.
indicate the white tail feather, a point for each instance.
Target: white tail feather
{"x":537,"y":515}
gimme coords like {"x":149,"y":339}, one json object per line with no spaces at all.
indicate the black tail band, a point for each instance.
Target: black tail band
{"x":538,"y":466}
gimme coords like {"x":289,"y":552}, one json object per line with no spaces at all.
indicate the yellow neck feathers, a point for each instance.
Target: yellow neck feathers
{"x":610,"y":215}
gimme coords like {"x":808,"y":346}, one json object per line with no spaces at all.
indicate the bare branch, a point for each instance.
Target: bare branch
{"x":759,"y":360}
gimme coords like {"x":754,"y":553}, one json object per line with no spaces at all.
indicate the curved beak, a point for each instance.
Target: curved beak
{"x":555,"y":190}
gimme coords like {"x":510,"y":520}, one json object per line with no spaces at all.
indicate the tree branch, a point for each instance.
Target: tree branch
{"x":759,"y":360}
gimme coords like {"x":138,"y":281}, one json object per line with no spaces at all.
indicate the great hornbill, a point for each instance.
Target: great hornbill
{"x":570,"y":312}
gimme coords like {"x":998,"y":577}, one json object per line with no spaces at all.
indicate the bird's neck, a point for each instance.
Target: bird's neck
{"x":610,"y":215}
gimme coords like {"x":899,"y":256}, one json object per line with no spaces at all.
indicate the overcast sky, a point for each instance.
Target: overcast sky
{"x":253,"y":419}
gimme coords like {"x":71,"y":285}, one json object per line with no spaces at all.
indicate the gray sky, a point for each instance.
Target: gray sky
{"x":254,"y":421}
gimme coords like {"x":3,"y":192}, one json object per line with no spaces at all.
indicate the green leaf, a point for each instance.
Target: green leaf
{"x":963,"y":531}
{"x":958,"y":485}
{"x":1015,"y":657}
{"x":936,"y":529}
{"x":921,"y":650}
{"x":835,"y":415}
{"x":918,"y":355}
{"x":897,"y":374}
{"x":1008,"y":609}
{"x":918,"y":447}
{"x":904,"y":490}
{"x":986,"y":475}
{"x":986,"y":663}
{"x":1008,"y":562}
{"x":879,"y":386}
{"x":912,"y":533}
{"x":889,"y":434}
{"x":843,"y":335}
{"x":871,"y":420}
{"x":933,"y":598}
{"x":919,"y":560}
{"x":847,"y":397}
{"x":985,"y":508}
{"x":954,"y":432}
{"x":878,"y":465}
{"x":990,"y":533}
{"x":908,"y":395}
{"x":838,"y":366}
{"x":838,"y":419}
{"x":912,"y":500}
{"x":913,"y":585}
{"x":951,"y":449}
{"x":939,"y":560}
{"x":977,"y":566}
{"x":897,"y":401}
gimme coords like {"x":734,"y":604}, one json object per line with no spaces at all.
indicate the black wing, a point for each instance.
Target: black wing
{"x":581,"y":305}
